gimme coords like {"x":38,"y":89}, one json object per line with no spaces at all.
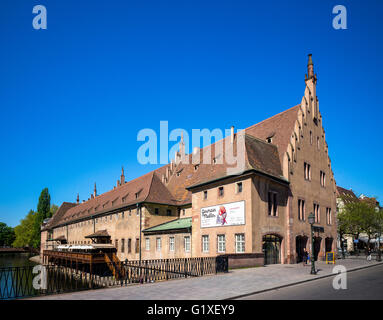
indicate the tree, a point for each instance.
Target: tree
{"x":43,"y":212}
{"x":53,"y":210}
{"x":25,"y":231}
{"x":359,"y":217}
{"x":7,"y":235}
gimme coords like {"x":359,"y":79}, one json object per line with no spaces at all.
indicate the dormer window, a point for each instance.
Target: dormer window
{"x":269,"y":140}
{"x":196,"y":167}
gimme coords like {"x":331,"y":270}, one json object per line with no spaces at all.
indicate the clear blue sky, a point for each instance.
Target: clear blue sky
{"x":73,"y":97}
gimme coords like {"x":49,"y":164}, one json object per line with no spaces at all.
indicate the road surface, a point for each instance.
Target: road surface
{"x":364,"y":284}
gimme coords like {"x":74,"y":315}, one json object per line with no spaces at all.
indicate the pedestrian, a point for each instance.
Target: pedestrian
{"x":369,"y":254}
{"x":305,"y":256}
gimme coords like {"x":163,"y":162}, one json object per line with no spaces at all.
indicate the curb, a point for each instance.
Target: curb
{"x":300,"y":282}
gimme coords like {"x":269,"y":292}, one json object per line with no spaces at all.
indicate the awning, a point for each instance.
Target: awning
{"x":99,"y":234}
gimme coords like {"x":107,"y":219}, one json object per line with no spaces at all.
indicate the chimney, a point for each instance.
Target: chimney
{"x":122,"y":176}
{"x":78,"y":198}
{"x":118,"y":183}
{"x":95,"y":190}
{"x":232,"y":135}
{"x":310,"y":67}
{"x":91,"y":196}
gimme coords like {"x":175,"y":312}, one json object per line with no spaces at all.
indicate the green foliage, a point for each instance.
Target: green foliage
{"x":359,"y":217}
{"x":25,"y":231}
{"x":43,"y":212}
{"x":7,"y":235}
{"x":28,"y":231}
{"x":53,"y":210}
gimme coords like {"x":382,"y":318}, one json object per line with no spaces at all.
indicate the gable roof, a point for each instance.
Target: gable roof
{"x":346,"y":195}
{"x":278,"y":127}
{"x":258,"y":154}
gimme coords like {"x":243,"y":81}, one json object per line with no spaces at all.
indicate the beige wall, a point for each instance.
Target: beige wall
{"x":165,"y":252}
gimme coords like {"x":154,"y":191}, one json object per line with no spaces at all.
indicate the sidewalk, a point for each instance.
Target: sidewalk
{"x":234,"y":284}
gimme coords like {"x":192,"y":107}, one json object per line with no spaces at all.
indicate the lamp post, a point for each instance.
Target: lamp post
{"x":311,"y":219}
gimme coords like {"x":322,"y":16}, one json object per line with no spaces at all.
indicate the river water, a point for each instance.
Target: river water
{"x":16,"y":260}
{"x":14,"y":267}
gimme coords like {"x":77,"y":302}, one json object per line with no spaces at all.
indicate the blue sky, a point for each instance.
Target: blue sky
{"x":73,"y":97}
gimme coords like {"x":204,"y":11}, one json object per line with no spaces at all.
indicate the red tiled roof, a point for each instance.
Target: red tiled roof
{"x":346,"y":195}
{"x":279,"y":127}
{"x":259,"y":155}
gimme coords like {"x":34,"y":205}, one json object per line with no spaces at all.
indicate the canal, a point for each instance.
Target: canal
{"x":15,"y":274}
{"x":16,"y":260}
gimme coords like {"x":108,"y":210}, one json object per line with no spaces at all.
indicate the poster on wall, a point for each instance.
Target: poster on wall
{"x":229,"y":214}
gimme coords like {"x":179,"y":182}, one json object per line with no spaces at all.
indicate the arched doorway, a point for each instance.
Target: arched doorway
{"x":328,"y":244}
{"x":300,"y":244}
{"x":317,"y":244}
{"x":272,"y":248}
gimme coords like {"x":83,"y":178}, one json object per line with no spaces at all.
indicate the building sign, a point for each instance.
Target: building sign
{"x":229,"y":214}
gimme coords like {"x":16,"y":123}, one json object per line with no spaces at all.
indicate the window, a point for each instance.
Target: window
{"x":272,"y":203}
{"x":116,"y":244}
{"x":122,"y":245}
{"x":171,"y":244}
{"x":322,"y":179}
{"x":307,"y":169}
{"x":168,"y":212}
{"x":147,"y":244}
{"x":328,"y":216}
{"x":301,"y":209}
{"x":137,"y":245}
{"x":158,"y":244}
{"x":240,"y":243}
{"x":311,"y":137}
{"x":318,"y":143}
{"x":187,"y":243}
{"x":156,"y":211}
{"x":221,"y":243}
{"x":205,"y":243}
{"x":205,"y":195}
{"x":220,"y":191}
{"x":183,"y":211}
{"x":239,"y":187}
{"x":122,"y":215}
{"x":129,"y":245}
{"x":316,"y":212}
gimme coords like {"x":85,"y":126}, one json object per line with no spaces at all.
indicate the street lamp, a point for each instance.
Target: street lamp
{"x":311,"y":219}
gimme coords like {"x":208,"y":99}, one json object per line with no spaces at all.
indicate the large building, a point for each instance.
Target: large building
{"x":200,"y":208}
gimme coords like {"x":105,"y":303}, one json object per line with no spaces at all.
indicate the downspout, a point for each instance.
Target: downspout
{"x":139,"y":208}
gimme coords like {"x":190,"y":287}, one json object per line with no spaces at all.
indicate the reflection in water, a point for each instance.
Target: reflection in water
{"x":19,"y":279}
{"x":16,"y":260}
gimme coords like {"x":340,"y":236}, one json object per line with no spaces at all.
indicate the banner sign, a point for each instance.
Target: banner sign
{"x":229,"y":214}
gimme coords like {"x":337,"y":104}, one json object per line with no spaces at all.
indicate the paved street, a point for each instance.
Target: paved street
{"x":222,"y":286}
{"x":364,"y":284}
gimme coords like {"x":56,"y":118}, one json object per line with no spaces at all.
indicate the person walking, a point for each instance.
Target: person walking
{"x":368,"y":254}
{"x":305,"y":257}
